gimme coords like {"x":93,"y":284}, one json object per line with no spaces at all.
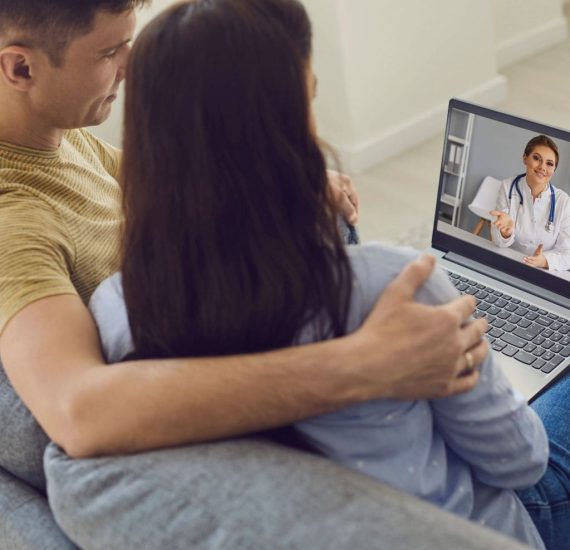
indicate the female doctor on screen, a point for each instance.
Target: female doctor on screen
{"x":532,"y":216}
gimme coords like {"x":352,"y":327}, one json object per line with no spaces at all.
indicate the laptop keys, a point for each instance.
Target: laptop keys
{"x":544,"y":321}
{"x":497,"y":345}
{"x":528,"y":333}
{"x":509,"y":351}
{"x":552,"y":364}
{"x":525,"y":357}
{"x":529,"y":347}
{"x":513,"y":340}
{"x":531,"y":335}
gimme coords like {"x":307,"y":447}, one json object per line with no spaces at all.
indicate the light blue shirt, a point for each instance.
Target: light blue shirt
{"x":466,"y":454}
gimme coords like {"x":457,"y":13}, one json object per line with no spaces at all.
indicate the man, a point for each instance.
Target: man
{"x":60,"y":66}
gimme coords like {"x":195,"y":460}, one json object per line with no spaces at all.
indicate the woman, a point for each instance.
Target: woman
{"x":532,"y":215}
{"x":231,"y":246}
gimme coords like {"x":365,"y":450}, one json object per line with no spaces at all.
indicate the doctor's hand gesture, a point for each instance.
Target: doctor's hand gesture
{"x":538,"y":260}
{"x":504,"y":223}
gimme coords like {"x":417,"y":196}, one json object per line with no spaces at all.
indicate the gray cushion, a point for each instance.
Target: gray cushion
{"x":26,"y":522}
{"x":23,"y":441}
{"x":245,"y":493}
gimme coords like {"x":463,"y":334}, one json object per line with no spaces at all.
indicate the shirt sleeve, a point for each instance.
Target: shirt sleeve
{"x":36,"y":255}
{"x":503,"y":206}
{"x":495,"y":431}
{"x":491,"y":427}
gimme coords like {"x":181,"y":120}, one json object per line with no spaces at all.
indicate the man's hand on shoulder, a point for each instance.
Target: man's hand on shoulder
{"x":422,"y":348}
{"x":344,"y":195}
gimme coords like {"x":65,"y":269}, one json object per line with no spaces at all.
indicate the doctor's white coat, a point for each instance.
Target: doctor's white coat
{"x":530,"y":224}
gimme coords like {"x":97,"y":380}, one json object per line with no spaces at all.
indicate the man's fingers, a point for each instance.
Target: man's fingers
{"x":472,"y":338}
{"x":480,"y":350}
{"x":350,"y":190}
{"x":462,"y":308}
{"x":349,"y":211}
{"x":405,"y":285}
{"x":466,"y":379}
{"x":462,"y":384}
{"x":538,"y":250}
{"x":344,"y":195}
{"x":496,"y":213}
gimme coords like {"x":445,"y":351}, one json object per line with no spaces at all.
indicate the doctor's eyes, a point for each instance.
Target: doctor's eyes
{"x":538,"y":158}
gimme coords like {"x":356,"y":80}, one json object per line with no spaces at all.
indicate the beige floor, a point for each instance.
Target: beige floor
{"x":398,"y":196}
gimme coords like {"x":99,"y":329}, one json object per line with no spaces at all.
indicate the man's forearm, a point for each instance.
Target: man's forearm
{"x":404,"y":350}
{"x":135,"y":406}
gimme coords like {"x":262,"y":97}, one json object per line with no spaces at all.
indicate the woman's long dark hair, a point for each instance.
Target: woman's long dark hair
{"x":231,"y":245}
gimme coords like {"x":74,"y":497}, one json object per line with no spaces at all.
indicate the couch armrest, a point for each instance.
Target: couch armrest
{"x":26,"y":522}
{"x":245,"y":493}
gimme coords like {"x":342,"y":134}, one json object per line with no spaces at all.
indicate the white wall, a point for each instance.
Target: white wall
{"x":387,"y":69}
{"x":525,"y":27}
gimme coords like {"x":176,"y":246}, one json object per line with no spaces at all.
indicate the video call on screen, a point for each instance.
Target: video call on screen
{"x":479,"y":155}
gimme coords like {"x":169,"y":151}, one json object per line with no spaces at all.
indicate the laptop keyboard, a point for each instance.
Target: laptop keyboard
{"x":518,"y":329}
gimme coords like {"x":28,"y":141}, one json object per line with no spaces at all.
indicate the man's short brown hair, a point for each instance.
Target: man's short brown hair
{"x":50,"y":25}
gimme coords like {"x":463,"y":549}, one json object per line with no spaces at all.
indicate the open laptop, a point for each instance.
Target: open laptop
{"x":528,"y":308}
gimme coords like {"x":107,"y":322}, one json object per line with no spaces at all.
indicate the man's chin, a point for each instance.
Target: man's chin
{"x":102,"y":115}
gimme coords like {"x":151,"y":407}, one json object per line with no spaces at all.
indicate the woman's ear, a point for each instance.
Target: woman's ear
{"x":15,"y":71}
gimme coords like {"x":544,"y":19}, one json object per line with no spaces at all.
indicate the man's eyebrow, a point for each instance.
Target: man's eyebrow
{"x":115,"y":47}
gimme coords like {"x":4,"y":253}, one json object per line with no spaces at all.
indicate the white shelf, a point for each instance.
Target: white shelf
{"x":450,"y":200}
{"x":451,"y":172}
{"x":455,"y":139}
{"x":455,"y":168}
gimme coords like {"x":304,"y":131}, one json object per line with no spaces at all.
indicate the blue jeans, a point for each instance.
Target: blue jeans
{"x":548,"y":502}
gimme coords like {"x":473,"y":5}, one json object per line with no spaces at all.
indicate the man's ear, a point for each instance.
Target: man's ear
{"x":15,"y":67}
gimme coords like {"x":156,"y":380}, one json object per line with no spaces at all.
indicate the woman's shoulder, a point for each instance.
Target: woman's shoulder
{"x":375,"y":265}
{"x":379,"y":259}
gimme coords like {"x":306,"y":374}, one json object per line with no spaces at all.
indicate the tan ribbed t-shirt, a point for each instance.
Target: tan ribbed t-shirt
{"x":60,"y":220}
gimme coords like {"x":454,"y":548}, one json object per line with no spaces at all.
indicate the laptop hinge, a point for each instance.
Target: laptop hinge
{"x":525,"y":286}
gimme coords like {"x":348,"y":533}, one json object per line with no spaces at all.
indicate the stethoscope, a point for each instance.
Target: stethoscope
{"x":550,"y":222}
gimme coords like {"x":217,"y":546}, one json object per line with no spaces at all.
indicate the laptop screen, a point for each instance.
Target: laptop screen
{"x":501,"y":207}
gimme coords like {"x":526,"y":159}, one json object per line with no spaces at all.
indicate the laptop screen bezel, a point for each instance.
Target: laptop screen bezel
{"x":447,"y":243}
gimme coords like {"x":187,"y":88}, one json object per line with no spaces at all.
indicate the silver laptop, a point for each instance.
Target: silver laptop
{"x":528,"y":308}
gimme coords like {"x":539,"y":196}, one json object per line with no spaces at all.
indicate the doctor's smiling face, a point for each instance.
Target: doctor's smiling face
{"x":540,"y":164}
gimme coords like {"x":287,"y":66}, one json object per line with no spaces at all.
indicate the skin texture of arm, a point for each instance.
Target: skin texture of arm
{"x":51,"y":353}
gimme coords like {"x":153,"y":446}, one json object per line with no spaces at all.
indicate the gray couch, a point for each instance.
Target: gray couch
{"x":244,"y":493}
